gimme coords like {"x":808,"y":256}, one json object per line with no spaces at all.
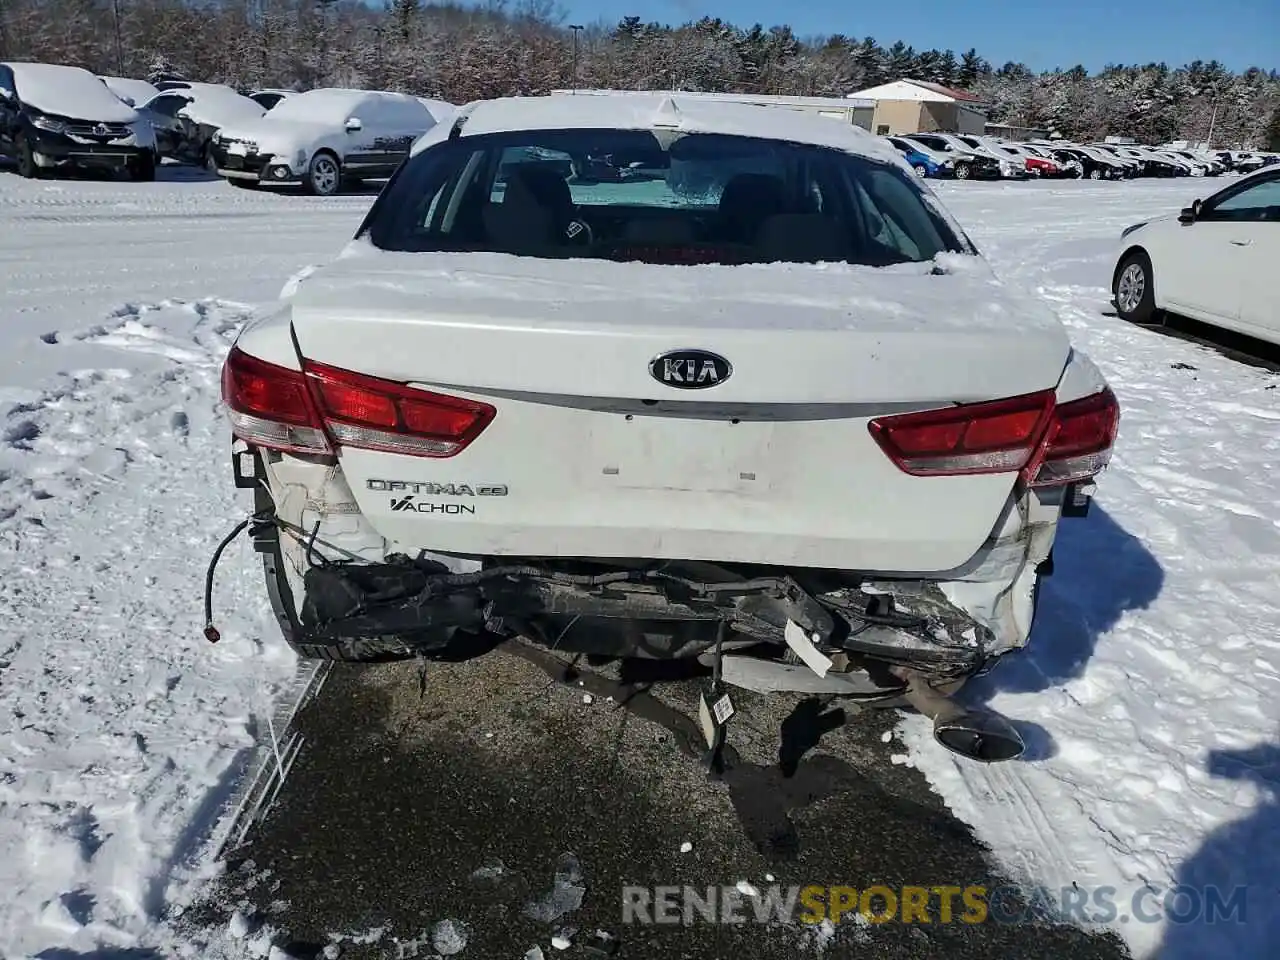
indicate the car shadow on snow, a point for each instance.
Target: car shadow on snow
{"x":1226,"y":903}
{"x":1101,"y":572}
{"x":1235,"y":346}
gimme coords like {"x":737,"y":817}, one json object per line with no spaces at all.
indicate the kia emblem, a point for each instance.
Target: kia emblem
{"x":690,"y":369}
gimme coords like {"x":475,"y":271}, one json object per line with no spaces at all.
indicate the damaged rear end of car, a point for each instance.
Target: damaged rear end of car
{"x":837,"y":472}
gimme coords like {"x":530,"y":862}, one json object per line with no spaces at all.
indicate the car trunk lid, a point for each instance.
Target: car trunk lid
{"x":590,"y":455}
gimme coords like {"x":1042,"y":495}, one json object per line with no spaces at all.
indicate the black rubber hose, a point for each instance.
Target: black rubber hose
{"x":210,"y":631}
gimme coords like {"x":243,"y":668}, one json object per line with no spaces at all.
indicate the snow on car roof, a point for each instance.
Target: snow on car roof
{"x":216,"y":104}
{"x":131,"y":87}
{"x":328,"y":104}
{"x":662,"y":110}
{"x":439,"y":109}
{"x":68,"y":92}
{"x":197,"y":86}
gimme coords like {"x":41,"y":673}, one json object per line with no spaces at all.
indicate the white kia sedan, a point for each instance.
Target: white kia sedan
{"x":1215,"y":261}
{"x":647,"y":372}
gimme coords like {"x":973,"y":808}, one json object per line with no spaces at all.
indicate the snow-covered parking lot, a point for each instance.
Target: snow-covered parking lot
{"x":1150,"y":696}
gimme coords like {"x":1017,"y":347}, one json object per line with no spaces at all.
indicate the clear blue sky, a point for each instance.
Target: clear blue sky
{"x":1040,"y":33}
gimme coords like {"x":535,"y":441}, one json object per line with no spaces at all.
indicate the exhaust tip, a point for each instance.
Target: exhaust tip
{"x":980,"y":735}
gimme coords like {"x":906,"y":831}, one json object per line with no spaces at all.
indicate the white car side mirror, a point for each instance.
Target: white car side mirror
{"x":354,"y":125}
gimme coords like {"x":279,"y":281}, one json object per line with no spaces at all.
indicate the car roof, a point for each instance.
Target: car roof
{"x":657,"y":111}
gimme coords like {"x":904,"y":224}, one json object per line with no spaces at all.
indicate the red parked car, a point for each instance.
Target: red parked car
{"x":1037,"y":165}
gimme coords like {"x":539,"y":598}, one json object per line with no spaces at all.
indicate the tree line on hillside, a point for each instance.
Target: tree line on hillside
{"x":461,"y":52}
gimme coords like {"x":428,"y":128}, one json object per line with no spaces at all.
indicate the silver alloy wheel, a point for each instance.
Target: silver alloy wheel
{"x":1131,"y":288}
{"x":324,"y":175}
{"x":921,"y":171}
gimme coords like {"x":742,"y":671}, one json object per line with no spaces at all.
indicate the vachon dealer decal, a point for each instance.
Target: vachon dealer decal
{"x":410,"y":492}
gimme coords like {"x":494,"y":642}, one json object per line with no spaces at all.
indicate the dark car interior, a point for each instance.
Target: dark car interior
{"x":814,"y":208}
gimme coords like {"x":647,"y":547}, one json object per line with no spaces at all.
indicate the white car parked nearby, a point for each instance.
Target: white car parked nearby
{"x":785,"y":421}
{"x":1216,"y":261}
{"x":321,"y":139}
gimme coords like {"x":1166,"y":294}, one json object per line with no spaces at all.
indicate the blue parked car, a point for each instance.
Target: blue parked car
{"x":923,"y":161}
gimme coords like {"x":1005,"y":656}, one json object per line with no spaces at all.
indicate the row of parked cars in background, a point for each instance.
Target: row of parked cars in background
{"x":964,"y":157}
{"x":54,"y":116}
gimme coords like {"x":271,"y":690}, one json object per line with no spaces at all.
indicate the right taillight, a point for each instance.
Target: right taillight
{"x":1048,"y":444}
{"x":997,"y":436}
{"x":325,"y":408}
{"x":1078,"y":442}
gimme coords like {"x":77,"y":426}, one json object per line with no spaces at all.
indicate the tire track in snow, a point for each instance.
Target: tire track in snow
{"x":130,"y":733}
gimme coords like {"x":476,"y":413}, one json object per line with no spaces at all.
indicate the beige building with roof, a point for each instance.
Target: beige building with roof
{"x":919,"y":106}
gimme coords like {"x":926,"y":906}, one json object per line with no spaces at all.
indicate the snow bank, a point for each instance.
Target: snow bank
{"x":124,"y":731}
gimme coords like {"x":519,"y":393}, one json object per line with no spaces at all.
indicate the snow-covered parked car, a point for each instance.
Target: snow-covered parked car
{"x":323,"y":138}
{"x":1214,"y":262}
{"x":54,"y":117}
{"x":791,"y":425}
{"x":186,"y":118}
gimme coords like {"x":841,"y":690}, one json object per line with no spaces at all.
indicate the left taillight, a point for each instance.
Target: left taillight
{"x":325,"y":408}
{"x":376,"y":414}
{"x":268,"y":405}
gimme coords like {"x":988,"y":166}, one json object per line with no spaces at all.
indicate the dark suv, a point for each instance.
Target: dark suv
{"x":53,"y":117}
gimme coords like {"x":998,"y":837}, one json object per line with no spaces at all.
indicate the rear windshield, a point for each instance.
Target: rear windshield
{"x":665,"y":198}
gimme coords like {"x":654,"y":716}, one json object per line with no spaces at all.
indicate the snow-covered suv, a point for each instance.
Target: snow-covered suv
{"x":321,"y":139}
{"x":57,"y":117}
{"x":785,"y":421}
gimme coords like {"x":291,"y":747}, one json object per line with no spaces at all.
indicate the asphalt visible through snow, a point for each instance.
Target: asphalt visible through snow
{"x":492,"y":794}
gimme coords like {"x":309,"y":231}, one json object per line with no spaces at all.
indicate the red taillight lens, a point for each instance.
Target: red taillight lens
{"x":375,"y":414}
{"x":272,"y":406}
{"x":1079,"y":441}
{"x":1052,"y":445}
{"x":268,"y":405}
{"x":995,"y":437}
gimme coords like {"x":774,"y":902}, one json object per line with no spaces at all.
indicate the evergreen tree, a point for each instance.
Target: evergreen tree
{"x":1273,"y":131}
